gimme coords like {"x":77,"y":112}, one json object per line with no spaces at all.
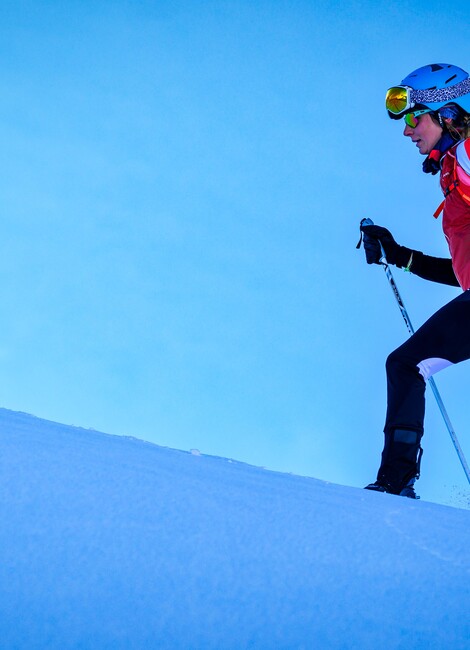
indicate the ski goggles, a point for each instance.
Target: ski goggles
{"x":400,"y":99}
{"x":411,"y":119}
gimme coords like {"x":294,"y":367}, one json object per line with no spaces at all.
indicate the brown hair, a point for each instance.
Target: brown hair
{"x":465,"y":130}
{"x":457,"y":122}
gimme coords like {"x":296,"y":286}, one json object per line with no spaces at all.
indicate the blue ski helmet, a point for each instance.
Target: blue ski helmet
{"x":432,"y":86}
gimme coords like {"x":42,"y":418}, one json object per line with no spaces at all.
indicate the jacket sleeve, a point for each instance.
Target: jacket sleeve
{"x":435,"y":269}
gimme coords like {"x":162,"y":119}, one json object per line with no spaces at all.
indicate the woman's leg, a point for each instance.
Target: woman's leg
{"x":442,"y":341}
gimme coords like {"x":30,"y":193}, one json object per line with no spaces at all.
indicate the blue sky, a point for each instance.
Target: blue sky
{"x":181,"y":189}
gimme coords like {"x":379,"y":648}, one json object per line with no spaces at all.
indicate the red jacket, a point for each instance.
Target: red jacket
{"x":455,"y":183}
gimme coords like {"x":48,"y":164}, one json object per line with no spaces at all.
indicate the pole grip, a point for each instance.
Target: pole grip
{"x":369,"y":222}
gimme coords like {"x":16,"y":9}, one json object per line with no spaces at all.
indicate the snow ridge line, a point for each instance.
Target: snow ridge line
{"x":422,"y":546}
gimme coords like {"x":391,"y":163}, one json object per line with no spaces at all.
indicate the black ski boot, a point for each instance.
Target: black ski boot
{"x":401,"y":460}
{"x":408,"y":490}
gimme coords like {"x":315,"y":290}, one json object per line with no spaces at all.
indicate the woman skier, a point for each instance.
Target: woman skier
{"x":435,"y":103}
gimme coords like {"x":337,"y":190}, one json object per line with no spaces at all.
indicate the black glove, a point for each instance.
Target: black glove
{"x":376,"y":235}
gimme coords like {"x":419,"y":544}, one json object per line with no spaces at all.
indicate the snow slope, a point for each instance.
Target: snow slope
{"x":111,"y":542}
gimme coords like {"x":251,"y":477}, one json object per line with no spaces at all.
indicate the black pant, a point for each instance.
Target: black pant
{"x":442,"y":341}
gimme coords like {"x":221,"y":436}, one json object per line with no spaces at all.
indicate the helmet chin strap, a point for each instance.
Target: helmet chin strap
{"x":432,"y":164}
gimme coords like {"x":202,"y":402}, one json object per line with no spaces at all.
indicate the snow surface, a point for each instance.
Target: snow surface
{"x":111,"y":542}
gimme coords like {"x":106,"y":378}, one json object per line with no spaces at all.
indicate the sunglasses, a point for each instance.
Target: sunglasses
{"x":411,"y":119}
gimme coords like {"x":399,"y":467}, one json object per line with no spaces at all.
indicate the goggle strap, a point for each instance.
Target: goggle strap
{"x":440,"y":94}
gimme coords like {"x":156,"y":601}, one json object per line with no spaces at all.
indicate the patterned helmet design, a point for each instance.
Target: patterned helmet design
{"x":438,"y":84}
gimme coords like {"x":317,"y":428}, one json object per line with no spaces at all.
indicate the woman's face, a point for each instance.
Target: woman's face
{"x":425,"y":134}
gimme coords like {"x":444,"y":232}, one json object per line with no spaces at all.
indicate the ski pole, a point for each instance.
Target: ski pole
{"x":432,"y":383}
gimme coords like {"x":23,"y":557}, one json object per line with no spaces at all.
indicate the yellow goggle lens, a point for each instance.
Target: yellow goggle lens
{"x":396,"y":100}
